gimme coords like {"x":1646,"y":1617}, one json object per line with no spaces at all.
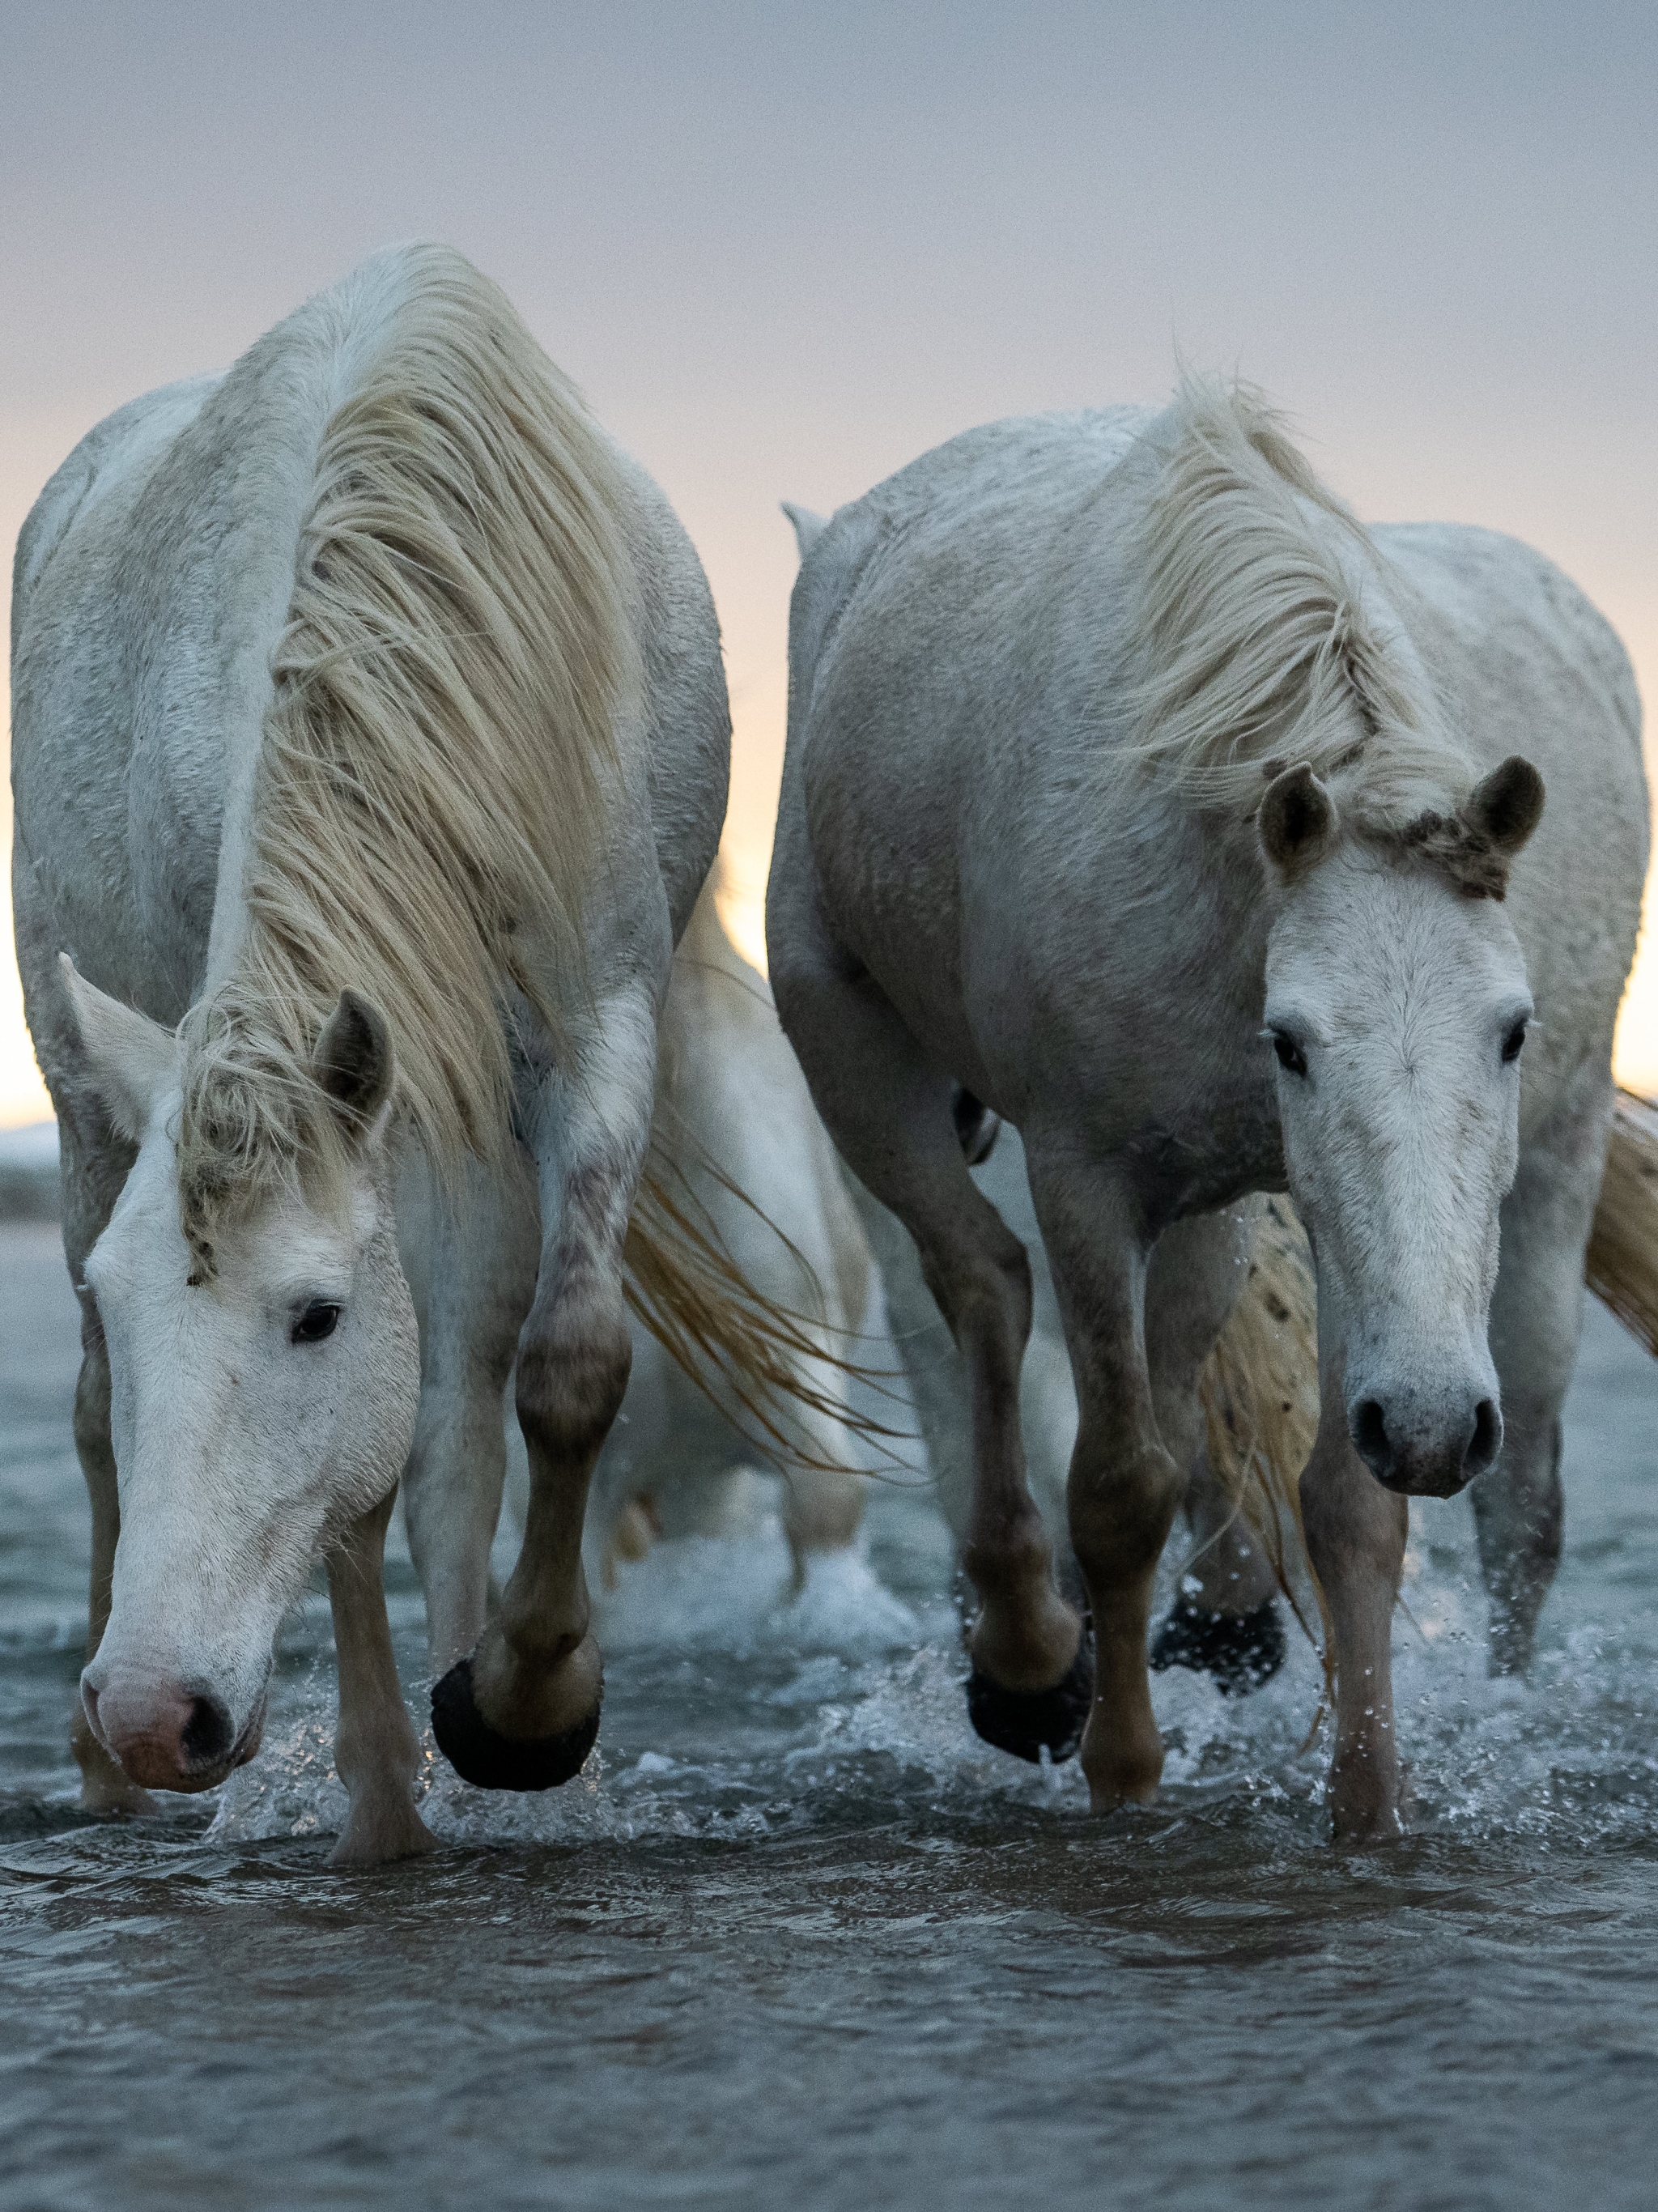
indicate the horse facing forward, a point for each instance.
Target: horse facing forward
{"x":1132,"y":784}
{"x":370,"y":749}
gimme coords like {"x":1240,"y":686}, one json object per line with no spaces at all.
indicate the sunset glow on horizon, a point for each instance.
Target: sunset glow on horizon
{"x":784,"y":256}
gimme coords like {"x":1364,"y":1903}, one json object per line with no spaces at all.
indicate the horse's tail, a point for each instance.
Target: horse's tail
{"x":1259,"y":1391}
{"x":775,"y":1370}
{"x":774,"y":1356}
{"x":1621,"y":1264}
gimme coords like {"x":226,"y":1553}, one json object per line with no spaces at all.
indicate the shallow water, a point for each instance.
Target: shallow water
{"x":796,"y":1939}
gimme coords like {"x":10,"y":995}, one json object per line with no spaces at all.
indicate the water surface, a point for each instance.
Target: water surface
{"x":797,"y":1940}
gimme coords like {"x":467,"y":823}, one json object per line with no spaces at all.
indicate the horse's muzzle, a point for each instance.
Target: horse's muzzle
{"x":168,"y":1736}
{"x":1418,"y":1462}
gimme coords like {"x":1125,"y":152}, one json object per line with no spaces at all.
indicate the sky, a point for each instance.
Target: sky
{"x":784,"y":249}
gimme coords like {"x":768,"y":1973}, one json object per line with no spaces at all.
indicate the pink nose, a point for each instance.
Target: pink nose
{"x":166,"y":1736}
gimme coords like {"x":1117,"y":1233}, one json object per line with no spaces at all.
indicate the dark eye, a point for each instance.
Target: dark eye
{"x":318,"y":1320}
{"x":1512,"y":1043}
{"x":1290,"y":1057}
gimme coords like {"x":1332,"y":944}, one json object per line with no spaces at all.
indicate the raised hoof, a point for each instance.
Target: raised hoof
{"x":491,"y":1761}
{"x":1027,"y":1723}
{"x":1240,"y":1650}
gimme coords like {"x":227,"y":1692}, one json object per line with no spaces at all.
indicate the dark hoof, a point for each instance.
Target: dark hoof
{"x":1241,"y":1651}
{"x":976,"y":1127}
{"x":490,"y":1761}
{"x":1028,"y":1721}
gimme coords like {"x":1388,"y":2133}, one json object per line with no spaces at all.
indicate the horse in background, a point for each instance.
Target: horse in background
{"x":1135,"y":789}
{"x":370,"y":751}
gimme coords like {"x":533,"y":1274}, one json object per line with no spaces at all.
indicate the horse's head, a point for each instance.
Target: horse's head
{"x":1397,"y":1007}
{"x":257,"y":1405}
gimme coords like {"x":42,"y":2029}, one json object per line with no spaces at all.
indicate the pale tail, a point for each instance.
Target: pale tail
{"x":752,"y":1358}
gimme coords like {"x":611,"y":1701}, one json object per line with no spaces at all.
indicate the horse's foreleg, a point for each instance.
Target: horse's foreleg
{"x":1125,"y":1487}
{"x":1536,"y":1316}
{"x":483,"y":1276}
{"x":1356,"y":1534}
{"x":376,"y":1753}
{"x":104,"y":1786}
{"x":522,"y":1713}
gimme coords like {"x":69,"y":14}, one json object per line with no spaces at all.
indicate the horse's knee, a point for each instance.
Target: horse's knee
{"x":572,"y":1369}
{"x":1120,"y":1513}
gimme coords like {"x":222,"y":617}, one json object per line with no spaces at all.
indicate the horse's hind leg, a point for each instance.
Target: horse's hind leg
{"x":890,"y":1110}
{"x":1228,"y":1626}
{"x":522,"y":1713}
{"x":376,"y":1754}
{"x":1536,"y":1315}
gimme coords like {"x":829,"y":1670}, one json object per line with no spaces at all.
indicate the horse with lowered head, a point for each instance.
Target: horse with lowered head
{"x":1199,"y":832}
{"x":370,"y":748}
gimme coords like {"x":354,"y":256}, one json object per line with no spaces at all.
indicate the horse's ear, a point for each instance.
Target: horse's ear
{"x":354,"y":1064}
{"x":1507,"y":805}
{"x":808,"y":527}
{"x":1298,"y":821}
{"x":128,"y":1057}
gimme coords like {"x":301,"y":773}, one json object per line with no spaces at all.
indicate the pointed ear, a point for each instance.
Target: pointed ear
{"x":354,"y":1064}
{"x":808,"y":527}
{"x":1297,"y":821}
{"x":1507,"y":805}
{"x":128,"y":1057}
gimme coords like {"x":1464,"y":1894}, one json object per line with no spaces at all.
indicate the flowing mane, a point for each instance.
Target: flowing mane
{"x":1261,"y":627}
{"x":436,"y":758}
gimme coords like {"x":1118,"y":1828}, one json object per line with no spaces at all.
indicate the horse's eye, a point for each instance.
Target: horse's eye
{"x":1290,"y":1057}
{"x":318,"y":1320}
{"x":1512,"y":1043}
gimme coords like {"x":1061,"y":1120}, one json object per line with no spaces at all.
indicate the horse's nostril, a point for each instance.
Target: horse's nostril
{"x":1487,"y":1438}
{"x":206,"y":1737}
{"x":1369,"y":1434}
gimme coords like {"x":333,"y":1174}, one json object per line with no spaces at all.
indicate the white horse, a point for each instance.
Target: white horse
{"x":1133,"y":786}
{"x":370,"y":748}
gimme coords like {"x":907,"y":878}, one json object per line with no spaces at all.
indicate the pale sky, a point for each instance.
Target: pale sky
{"x":784,"y":249}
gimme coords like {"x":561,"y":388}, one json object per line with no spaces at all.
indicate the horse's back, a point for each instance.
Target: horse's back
{"x":1528,"y":665}
{"x":93,"y":751}
{"x":960,"y":524}
{"x":944,"y":632}
{"x":153,"y":583}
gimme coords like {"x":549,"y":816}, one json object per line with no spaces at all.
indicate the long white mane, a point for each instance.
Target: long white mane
{"x":1261,"y":630}
{"x":436,"y":758}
